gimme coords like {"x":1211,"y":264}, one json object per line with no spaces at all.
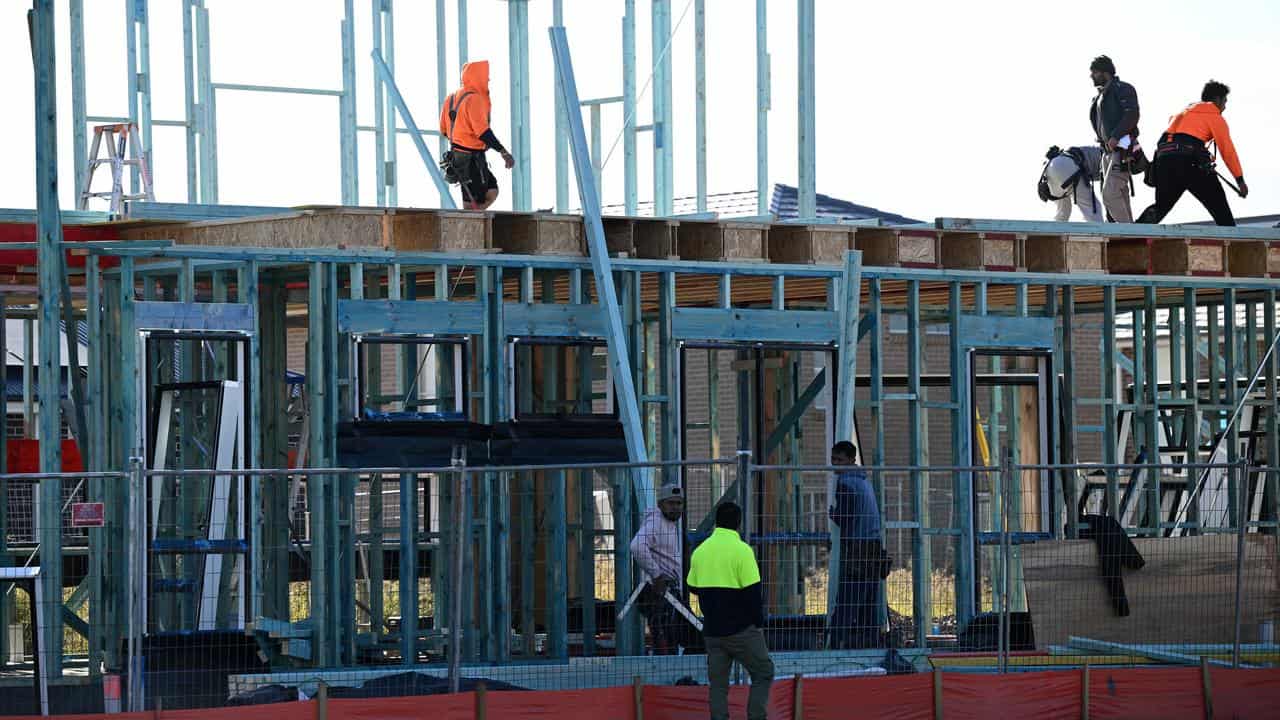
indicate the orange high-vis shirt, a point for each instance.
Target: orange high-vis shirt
{"x":1204,"y":120}
{"x":472,"y":111}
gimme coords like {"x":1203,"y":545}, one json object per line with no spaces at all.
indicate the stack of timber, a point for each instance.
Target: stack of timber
{"x":722,"y":240}
{"x":954,"y":243}
{"x":539,"y":234}
{"x":1253,"y":258}
{"x":1167,"y":256}
{"x":330,"y":227}
{"x":809,"y":244}
{"x":1064,"y":253}
{"x":899,"y":247}
{"x":981,"y":251}
{"x":650,"y":238}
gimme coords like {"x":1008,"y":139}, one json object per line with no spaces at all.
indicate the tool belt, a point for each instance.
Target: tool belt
{"x":1183,"y":144}
{"x":455,"y":164}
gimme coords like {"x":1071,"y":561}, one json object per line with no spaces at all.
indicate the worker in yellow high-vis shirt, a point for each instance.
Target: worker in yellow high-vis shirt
{"x":724,"y":575}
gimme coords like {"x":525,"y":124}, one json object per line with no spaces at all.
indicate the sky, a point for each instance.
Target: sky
{"x":928,"y":109}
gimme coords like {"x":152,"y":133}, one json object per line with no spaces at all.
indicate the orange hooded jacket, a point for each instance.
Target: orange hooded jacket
{"x":1204,"y":120}
{"x":472,"y":111}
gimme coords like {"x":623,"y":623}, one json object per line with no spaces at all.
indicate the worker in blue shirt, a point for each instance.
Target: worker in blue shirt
{"x":863,"y":562}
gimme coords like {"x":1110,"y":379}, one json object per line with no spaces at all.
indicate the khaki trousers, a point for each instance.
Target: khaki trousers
{"x":1115,"y":187}
{"x":748,"y":648}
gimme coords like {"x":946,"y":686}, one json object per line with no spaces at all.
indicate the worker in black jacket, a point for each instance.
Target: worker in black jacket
{"x":1113,"y":114}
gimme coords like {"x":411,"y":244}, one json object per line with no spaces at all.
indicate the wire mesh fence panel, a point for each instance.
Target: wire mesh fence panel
{"x":1260,"y":575}
{"x":1170,"y":588}
{"x":380,"y":582}
{"x":70,"y":634}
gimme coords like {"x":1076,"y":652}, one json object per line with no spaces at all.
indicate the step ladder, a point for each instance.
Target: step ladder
{"x":124,"y":147}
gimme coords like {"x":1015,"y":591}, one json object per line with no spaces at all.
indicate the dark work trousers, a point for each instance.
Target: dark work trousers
{"x":747,"y":647}
{"x":854,"y":621}
{"x":665,"y":622}
{"x":855,"y":618}
{"x":1177,"y":173}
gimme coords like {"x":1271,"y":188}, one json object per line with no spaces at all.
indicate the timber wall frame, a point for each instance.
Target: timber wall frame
{"x":199,"y":119}
{"x":493,"y":297}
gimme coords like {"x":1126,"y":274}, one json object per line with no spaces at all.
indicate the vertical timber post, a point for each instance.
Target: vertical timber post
{"x":700,"y":99}
{"x":807,"y":120}
{"x":1271,"y":493}
{"x":562,"y":135}
{"x":762,"y":107}
{"x":518,"y":50}
{"x":462,"y":33}
{"x":348,"y":133}
{"x":962,"y":455}
{"x":630,"y":200}
{"x":845,"y":383}
{"x":663,"y":175}
{"x":922,"y":552}
{"x":442,"y":74}
{"x":79,"y":121}
{"x":50,"y":266}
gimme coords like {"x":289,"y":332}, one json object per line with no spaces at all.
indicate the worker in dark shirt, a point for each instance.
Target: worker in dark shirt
{"x":1183,"y":163}
{"x":1114,"y":114}
{"x":855,"y":619}
{"x":464,"y":119}
{"x":724,"y":575}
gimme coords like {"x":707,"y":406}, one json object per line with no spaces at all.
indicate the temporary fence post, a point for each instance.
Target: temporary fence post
{"x":1207,"y":687}
{"x":797,"y":705}
{"x":744,"y":491}
{"x":459,"y":543}
{"x":1006,"y":549}
{"x":1084,"y":692}
{"x":1241,"y":467}
{"x":322,"y":701}
{"x":937,"y":693}
{"x":137,"y":574}
{"x":482,"y":703}
{"x":637,"y":696}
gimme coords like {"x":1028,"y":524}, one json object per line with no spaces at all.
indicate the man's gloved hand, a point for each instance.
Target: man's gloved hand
{"x":1244,"y":187}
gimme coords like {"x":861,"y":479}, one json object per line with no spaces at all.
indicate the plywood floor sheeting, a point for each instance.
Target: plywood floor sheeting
{"x":1184,"y":594}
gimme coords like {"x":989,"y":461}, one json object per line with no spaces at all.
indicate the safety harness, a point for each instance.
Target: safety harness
{"x":448,"y":162}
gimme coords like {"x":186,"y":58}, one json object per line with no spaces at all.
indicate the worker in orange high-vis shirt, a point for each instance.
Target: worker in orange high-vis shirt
{"x":464,"y":119}
{"x":1183,"y":164}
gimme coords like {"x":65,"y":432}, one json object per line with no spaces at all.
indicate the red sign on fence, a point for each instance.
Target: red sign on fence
{"x":87,"y":514}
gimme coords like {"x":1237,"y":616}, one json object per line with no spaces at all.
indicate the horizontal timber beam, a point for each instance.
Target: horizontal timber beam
{"x":226,"y":317}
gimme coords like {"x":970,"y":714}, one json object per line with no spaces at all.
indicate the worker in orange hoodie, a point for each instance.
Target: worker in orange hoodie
{"x":464,"y":119}
{"x":1182,"y":160}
